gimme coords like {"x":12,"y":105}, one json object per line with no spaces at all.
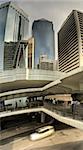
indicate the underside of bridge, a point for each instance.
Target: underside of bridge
{"x":69,"y":121}
{"x":41,"y":83}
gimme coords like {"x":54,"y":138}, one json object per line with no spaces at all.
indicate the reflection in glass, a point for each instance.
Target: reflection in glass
{"x":3,"y":16}
{"x":9,"y":32}
{"x":43,"y":34}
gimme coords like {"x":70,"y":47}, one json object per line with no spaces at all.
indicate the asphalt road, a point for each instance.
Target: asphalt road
{"x":69,"y":139}
{"x":67,"y":146}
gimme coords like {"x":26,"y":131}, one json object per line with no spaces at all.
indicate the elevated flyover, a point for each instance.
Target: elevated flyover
{"x":52,"y":112}
{"x":31,"y":81}
{"x":71,"y":82}
{"x":40,"y":82}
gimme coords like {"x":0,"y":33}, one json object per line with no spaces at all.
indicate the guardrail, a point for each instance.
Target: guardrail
{"x":9,"y":107}
{"x":62,"y":110}
{"x":66,"y":111}
{"x":30,"y":74}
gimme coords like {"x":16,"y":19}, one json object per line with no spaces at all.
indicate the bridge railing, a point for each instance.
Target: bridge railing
{"x":29,"y":105}
{"x":60,"y":109}
{"x":66,"y":111}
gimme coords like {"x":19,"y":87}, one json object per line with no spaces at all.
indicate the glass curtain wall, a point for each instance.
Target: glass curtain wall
{"x":3,"y":16}
{"x":9,"y":33}
{"x":26,"y":29}
{"x":16,"y":26}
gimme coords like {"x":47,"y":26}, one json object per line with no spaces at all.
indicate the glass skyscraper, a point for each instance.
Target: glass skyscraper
{"x":14,"y":25}
{"x":43,"y":33}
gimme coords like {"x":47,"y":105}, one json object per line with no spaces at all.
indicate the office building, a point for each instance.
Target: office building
{"x":9,"y":52}
{"x":70,"y":42}
{"x":45,"y":63}
{"x":30,"y":53}
{"x":14,"y":23}
{"x":14,"y":26}
{"x":43,"y":33}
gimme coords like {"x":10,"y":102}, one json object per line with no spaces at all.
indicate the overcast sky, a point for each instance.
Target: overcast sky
{"x":53,"y":10}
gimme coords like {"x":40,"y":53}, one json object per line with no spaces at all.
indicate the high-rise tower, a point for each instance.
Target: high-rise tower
{"x":70,"y":42}
{"x":43,"y":33}
{"x":14,"y":25}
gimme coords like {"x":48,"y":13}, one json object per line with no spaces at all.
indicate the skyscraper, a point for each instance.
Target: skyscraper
{"x":70,"y":42}
{"x":13,"y":23}
{"x":43,"y":33}
{"x":14,"y":26}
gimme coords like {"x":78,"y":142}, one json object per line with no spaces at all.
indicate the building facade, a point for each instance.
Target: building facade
{"x":45,"y":63}
{"x":30,"y":53}
{"x":70,"y":42}
{"x":43,"y":33}
{"x":14,"y":24}
{"x":14,"y":27}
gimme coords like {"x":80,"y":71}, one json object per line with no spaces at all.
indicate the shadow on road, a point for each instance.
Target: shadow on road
{"x":66,"y":146}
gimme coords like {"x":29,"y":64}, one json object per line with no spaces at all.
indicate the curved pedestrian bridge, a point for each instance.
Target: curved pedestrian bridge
{"x":60,"y":113}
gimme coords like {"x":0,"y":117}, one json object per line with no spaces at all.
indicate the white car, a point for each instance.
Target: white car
{"x":42,"y":132}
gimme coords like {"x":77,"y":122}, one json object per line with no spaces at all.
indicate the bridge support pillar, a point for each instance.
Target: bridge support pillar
{"x":0,"y":124}
{"x":42,"y":117}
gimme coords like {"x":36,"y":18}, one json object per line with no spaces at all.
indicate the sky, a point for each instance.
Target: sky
{"x":52,"y":10}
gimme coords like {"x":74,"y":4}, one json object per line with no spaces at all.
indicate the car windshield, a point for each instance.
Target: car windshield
{"x":42,"y":130}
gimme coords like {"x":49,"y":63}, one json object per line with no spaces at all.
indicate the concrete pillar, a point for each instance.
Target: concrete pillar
{"x":42,"y":117}
{"x":0,"y":124}
{"x":65,"y":103}
{"x":26,"y":57}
